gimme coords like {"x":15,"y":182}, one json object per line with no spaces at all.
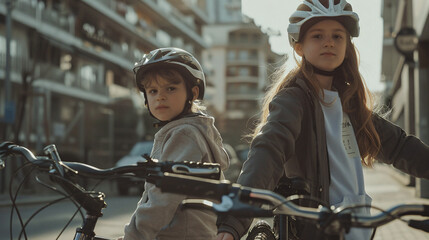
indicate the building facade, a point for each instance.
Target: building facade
{"x":66,"y":76}
{"x":239,"y":62}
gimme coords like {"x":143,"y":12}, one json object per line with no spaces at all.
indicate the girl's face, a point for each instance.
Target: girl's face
{"x":324,"y":45}
{"x":167,"y":99}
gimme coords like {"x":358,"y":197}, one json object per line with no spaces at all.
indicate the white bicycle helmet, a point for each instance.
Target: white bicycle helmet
{"x":310,"y":9}
{"x":176,"y":58}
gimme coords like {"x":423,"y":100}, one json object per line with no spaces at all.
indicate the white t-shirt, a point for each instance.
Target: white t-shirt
{"x":347,"y":182}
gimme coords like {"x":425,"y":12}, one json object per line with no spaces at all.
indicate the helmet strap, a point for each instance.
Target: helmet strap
{"x":323,"y":72}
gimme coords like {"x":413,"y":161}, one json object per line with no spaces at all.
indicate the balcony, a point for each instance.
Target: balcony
{"x":242,"y":79}
{"x":51,"y":73}
{"x":251,"y":94}
{"x":169,"y":18}
{"x":189,"y":7}
{"x":49,"y":16}
{"x":18,"y":64}
{"x":243,"y":62}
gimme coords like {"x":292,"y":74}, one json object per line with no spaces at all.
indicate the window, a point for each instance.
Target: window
{"x":88,"y":76}
{"x":244,"y":71}
{"x":231,"y":71}
{"x":243,"y":37}
{"x":243,"y":55}
{"x":232,"y":54}
{"x":12,"y":45}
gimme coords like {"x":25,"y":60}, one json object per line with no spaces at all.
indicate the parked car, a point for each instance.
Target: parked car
{"x":135,"y":155}
{"x":242,"y":152}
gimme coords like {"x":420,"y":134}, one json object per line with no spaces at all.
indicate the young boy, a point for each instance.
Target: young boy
{"x":171,"y":80}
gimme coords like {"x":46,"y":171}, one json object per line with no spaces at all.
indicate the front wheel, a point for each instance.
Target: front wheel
{"x":261,"y":231}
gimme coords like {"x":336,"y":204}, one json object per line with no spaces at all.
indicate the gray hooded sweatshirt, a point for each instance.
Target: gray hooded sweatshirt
{"x":160,"y":215}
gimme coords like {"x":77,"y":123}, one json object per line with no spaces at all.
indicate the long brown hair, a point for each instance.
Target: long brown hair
{"x":355,"y":97}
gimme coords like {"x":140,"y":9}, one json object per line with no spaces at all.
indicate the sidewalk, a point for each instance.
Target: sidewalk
{"x":386,"y":189}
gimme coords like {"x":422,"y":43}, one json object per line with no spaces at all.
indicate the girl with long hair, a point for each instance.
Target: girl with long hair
{"x":318,"y":123}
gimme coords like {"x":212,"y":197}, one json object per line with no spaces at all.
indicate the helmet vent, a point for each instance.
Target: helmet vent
{"x":348,"y":7}
{"x":304,"y":7}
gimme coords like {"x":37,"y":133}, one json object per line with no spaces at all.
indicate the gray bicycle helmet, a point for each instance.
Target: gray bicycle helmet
{"x":311,"y":9}
{"x":176,"y":58}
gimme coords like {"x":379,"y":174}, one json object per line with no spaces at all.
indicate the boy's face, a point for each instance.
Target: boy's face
{"x":324,"y":45}
{"x":166,"y":99}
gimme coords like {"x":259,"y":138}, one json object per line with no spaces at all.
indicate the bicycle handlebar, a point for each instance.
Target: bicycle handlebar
{"x":238,"y":200}
{"x":93,"y":202}
{"x":141,"y":169}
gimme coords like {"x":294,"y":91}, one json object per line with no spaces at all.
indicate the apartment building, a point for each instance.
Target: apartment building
{"x":239,"y":62}
{"x":70,"y":70}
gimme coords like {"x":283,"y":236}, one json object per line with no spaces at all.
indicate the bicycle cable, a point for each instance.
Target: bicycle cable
{"x":50,"y":203}
{"x":14,"y":197}
{"x":79,"y":207}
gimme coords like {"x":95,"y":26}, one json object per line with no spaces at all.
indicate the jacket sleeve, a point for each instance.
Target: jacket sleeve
{"x":269,"y":151}
{"x":151,"y":216}
{"x":405,"y":152}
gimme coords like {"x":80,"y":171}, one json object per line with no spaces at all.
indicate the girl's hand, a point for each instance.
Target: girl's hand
{"x":224,"y":236}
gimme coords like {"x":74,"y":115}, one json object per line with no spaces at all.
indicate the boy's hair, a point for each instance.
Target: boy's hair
{"x":172,"y":76}
{"x":356,"y":99}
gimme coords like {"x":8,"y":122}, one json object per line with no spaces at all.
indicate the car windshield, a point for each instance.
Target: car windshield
{"x":141,"y":148}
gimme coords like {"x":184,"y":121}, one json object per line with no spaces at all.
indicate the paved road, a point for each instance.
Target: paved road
{"x":48,"y":224}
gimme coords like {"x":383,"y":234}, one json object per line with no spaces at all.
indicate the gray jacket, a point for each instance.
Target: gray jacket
{"x":159,"y":215}
{"x":293,"y":143}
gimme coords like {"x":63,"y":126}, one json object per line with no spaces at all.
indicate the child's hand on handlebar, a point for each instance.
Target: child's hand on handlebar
{"x":224,"y":236}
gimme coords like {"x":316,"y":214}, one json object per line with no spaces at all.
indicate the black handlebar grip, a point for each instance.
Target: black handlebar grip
{"x":192,"y":186}
{"x":425,"y":210}
{"x":422,"y":225}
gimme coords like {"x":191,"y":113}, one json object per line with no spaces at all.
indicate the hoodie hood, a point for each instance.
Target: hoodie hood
{"x":202,"y":130}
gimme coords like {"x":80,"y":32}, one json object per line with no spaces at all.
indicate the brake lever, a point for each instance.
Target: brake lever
{"x":419,"y":224}
{"x":58,"y":164}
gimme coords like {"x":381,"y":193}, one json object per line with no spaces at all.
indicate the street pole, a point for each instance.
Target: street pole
{"x":8,"y":37}
{"x":7,"y":83}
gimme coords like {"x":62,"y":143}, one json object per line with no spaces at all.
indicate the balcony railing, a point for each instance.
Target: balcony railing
{"x":18,"y":64}
{"x":49,"y":16}
{"x":242,"y":79}
{"x":53,"y":73}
